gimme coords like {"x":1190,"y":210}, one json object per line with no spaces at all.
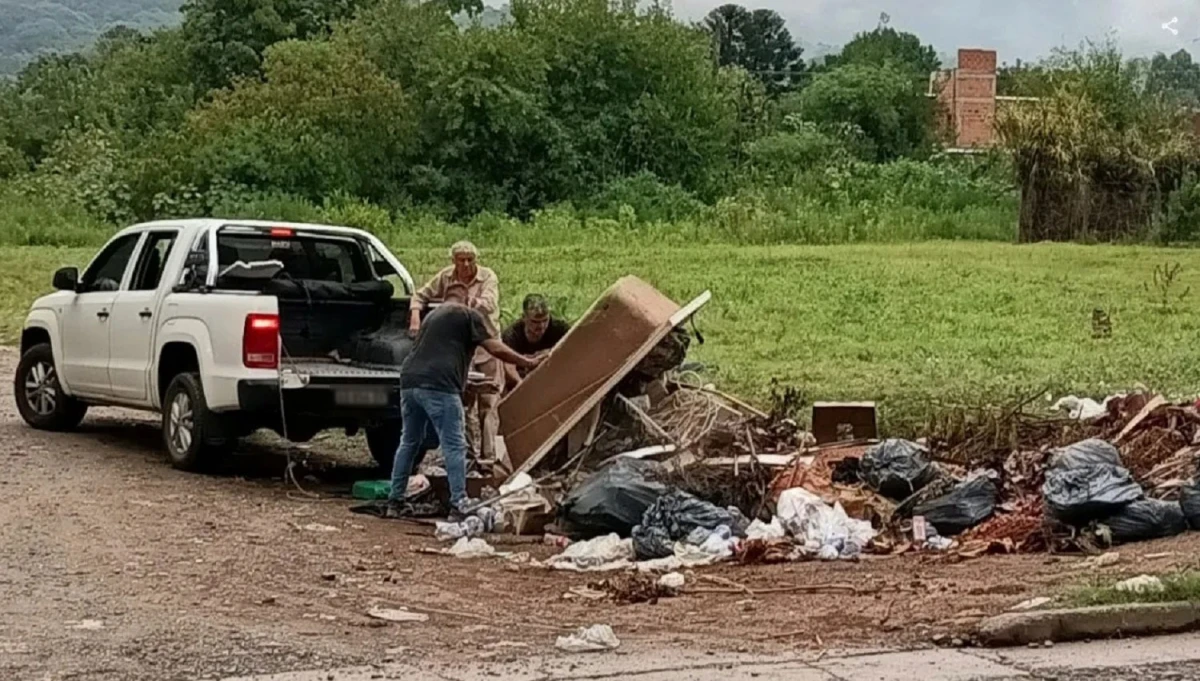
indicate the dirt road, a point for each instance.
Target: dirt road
{"x":115,"y":566}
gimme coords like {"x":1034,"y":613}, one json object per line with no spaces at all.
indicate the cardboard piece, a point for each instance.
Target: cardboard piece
{"x":616,"y":333}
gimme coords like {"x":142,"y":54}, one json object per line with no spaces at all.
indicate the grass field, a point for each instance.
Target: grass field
{"x":907,"y":325}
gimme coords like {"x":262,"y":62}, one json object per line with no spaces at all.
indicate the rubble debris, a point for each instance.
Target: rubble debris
{"x":1142,"y":584}
{"x":628,"y":588}
{"x":471,"y":548}
{"x":763,"y":551}
{"x":1144,"y":520}
{"x":1019,"y":530}
{"x":1102,"y":561}
{"x":482,"y":521}
{"x":968,"y":505}
{"x":897,"y":468}
{"x":596,"y":638}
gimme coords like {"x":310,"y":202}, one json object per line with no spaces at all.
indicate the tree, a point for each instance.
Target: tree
{"x":227,"y":38}
{"x":886,"y":45}
{"x":758,"y":42}
{"x":895,"y":119}
{"x":1177,"y":78}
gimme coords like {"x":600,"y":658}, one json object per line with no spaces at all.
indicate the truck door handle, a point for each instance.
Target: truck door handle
{"x":145,"y":314}
{"x":102,"y":314}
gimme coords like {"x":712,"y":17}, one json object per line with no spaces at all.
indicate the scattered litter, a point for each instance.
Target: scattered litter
{"x":1080,"y":408}
{"x":471,"y":548}
{"x":592,"y":639}
{"x":822,"y":527}
{"x":396,"y":615}
{"x":766,"y":531}
{"x":897,"y":468}
{"x":587,"y":593}
{"x":484,"y":521}
{"x":318,"y":527}
{"x":86,"y":625}
{"x":1103,"y":560}
{"x":1142,"y":584}
{"x":1144,"y":520}
{"x":672,"y":581}
{"x":609,"y":552}
{"x":1031,"y":604}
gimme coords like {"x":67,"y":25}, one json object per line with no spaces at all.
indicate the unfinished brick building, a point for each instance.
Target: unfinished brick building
{"x":968,"y":100}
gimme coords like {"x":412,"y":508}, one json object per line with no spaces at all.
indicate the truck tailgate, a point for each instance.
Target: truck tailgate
{"x":337,"y":372}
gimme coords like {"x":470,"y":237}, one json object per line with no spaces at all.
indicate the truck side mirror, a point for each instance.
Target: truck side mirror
{"x":67,"y":279}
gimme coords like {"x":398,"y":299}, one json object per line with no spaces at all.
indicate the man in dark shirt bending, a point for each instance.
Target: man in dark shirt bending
{"x":432,"y":379}
{"x":534,"y":334}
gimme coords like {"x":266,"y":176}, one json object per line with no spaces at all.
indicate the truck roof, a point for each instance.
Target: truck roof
{"x":209,"y":223}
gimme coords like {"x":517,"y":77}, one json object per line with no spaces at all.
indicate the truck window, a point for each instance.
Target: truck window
{"x":153,"y":257}
{"x":303,"y":256}
{"x":106,"y":272}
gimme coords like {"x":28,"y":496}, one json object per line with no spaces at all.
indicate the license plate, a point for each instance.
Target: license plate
{"x":361,"y":397}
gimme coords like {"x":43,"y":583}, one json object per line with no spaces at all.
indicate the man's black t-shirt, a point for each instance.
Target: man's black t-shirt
{"x":442,"y":353}
{"x":515,"y":338}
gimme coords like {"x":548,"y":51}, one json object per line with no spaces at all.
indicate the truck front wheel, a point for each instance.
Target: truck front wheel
{"x":192,"y":434}
{"x":40,"y":397}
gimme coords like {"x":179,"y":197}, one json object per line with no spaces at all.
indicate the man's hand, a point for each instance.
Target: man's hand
{"x":414,"y":323}
{"x":534,"y":361}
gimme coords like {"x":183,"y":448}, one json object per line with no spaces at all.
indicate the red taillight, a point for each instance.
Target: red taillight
{"x":282,"y":233}
{"x":260,"y":341}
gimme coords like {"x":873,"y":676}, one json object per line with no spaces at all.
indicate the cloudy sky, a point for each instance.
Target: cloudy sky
{"x":1025,"y":29}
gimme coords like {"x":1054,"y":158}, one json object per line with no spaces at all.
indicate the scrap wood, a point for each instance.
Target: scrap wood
{"x":721,"y":581}
{"x":807,"y":588}
{"x":1151,"y":406}
{"x":645,"y":418}
{"x":751,"y":409}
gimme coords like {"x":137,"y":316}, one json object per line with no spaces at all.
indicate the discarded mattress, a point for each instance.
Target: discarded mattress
{"x":611,"y":338}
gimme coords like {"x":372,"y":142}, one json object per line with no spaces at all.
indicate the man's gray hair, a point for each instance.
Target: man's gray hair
{"x":536,"y":305}
{"x":464,"y":247}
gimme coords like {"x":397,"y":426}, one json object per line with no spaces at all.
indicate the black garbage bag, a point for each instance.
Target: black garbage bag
{"x":672,"y":518}
{"x":1086,"y":481}
{"x":1146,"y":519}
{"x":964,"y":507}
{"x":1085,"y":453}
{"x":1189,"y":502}
{"x":613,"y":499}
{"x":1081,"y":494}
{"x":897,"y":468}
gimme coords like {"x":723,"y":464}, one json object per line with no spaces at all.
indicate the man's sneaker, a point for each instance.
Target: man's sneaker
{"x":399,"y":509}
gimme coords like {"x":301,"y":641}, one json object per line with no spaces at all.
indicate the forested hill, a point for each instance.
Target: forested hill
{"x":31,"y":27}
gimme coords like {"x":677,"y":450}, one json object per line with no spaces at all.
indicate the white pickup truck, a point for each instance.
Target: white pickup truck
{"x":224,"y":327}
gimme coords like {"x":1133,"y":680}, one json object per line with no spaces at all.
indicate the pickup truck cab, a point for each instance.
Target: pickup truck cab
{"x":224,"y":327}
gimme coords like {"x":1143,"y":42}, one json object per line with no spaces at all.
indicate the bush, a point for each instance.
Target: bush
{"x":649,"y":199}
{"x":32,"y":220}
{"x":1181,"y":221}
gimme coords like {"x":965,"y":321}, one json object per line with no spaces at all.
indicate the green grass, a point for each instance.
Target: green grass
{"x":906,"y":325}
{"x":1184,"y":586}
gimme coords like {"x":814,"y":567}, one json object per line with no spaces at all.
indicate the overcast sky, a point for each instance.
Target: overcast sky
{"x":1025,"y":29}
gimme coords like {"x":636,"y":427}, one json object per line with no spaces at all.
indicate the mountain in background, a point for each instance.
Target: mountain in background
{"x":32,"y":27}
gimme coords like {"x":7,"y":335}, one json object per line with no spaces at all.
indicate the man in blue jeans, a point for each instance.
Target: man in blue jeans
{"x":431,"y":388}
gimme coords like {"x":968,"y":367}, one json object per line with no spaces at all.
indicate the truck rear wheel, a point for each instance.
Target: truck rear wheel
{"x":40,"y":397}
{"x":383,"y":441}
{"x":192,"y":434}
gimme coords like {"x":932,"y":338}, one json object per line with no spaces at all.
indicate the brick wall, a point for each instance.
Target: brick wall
{"x":967,"y":96}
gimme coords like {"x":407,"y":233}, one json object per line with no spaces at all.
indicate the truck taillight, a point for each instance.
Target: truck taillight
{"x":260,"y":341}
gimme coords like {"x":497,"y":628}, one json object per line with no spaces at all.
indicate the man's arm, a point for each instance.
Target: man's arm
{"x":496,"y":348}
{"x":488,"y":300}
{"x":434,"y":289}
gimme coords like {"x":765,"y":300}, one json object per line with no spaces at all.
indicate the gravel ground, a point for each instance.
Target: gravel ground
{"x":115,"y":566}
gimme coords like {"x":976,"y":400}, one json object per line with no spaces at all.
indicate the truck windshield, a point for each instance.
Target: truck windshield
{"x":304,"y":256}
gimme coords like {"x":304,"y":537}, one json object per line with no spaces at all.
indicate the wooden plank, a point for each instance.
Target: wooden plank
{"x":584,"y":432}
{"x":1151,"y":406}
{"x":598,"y":394}
{"x":645,"y":419}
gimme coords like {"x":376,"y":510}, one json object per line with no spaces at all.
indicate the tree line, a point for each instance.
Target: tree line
{"x":597,"y":104}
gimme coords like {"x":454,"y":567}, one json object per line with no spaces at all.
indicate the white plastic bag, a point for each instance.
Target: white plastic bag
{"x":593,"y":639}
{"x":812,"y":521}
{"x":609,"y":552}
{"x":760,"y":530}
